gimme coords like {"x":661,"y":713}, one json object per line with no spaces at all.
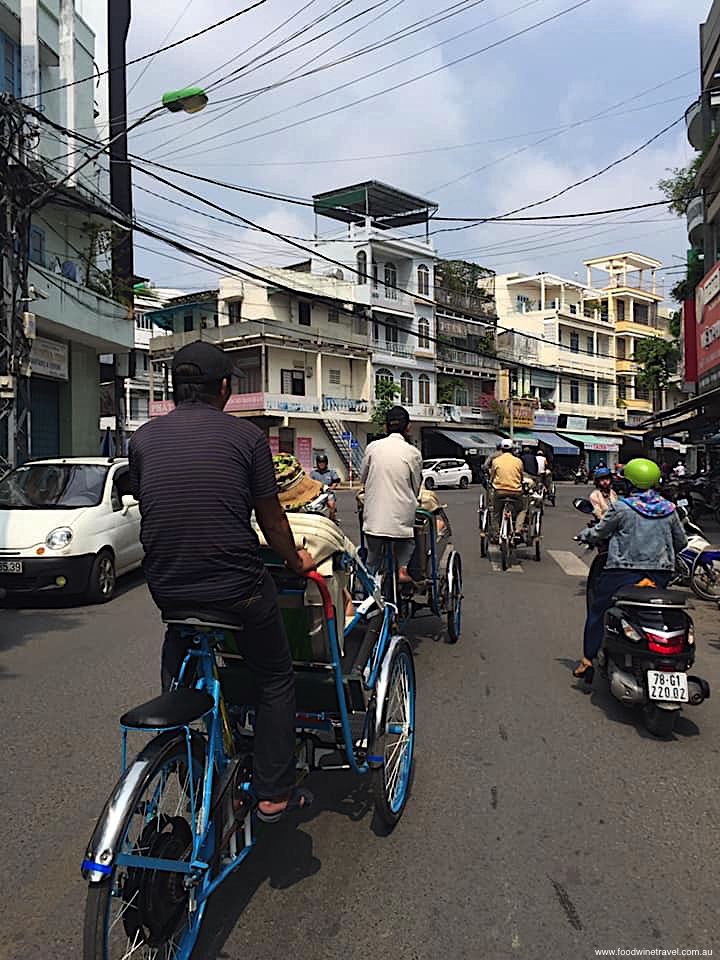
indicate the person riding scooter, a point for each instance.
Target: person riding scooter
{"x":604,"y":496}
{"x":645,"y":533}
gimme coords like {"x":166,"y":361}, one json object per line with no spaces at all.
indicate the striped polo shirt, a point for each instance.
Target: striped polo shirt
{"x":197,"y":472}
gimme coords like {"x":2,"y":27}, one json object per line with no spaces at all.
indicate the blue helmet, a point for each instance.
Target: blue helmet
{"x":601,"y":472}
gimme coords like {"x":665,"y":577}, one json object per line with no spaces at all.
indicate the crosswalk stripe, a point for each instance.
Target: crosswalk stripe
{"x":569,"y":563}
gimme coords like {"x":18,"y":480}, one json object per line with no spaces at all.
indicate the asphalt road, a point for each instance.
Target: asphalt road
{"x":544,"y":822}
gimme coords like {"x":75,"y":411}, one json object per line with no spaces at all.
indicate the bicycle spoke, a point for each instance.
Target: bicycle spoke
{"x":123,"y":910}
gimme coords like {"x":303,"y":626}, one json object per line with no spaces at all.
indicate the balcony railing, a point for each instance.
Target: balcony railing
{"x":464,"y":358}
{"x":634,"y":281}
{"x":464,"y":303}
{"x":344,"y":405}
{"x":255,"y":403}
{"x":392,"y":348}
{"x":695,"y":217}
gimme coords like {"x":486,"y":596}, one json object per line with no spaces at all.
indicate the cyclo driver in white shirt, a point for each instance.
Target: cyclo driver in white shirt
{"x":392,"y":475}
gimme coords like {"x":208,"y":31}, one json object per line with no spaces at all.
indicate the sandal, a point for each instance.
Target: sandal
{"x":300,"y":799}
{"x":584,"y":670}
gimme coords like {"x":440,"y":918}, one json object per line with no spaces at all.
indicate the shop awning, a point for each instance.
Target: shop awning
{"x":560,"y":445}
{"x":608,"y":442}
{"x":477,"y":441}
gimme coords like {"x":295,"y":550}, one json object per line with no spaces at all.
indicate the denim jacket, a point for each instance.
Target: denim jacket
{"x":644,"y":533}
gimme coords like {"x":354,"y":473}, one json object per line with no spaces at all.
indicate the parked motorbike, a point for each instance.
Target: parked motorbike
{"x":647,"y":652}
{"x":698,"y":565}
{"x":580,"y":475}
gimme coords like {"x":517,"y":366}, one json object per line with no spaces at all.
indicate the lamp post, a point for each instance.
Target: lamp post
{"x":186,"y":100}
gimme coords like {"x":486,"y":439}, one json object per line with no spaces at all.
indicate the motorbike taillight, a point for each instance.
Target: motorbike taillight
{"x":665,"y":643}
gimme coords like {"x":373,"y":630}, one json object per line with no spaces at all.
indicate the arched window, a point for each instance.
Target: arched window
{"x":423,"y":280}
{"x":406,"y":388}
{"x":391,"y":281}
{"x":383,"y":376}
{"x":362,"y":267}
{"x":423,"y":333}
{"x":423,"y":388}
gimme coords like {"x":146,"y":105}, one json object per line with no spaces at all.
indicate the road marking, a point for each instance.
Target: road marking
{"x":569,"y":563}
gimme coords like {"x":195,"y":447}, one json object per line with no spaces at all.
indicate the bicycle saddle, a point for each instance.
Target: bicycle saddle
{"x":173,"y":709}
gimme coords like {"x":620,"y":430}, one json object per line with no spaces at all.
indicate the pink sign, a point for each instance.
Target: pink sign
{"x":274,"y":445}
{"x":159,"y":408}
{"x":304,"y":447}
{"x":245,"y":401}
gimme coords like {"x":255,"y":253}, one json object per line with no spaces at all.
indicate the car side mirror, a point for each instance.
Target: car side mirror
{"x":584,"y":506}
{"x":128,"y":501}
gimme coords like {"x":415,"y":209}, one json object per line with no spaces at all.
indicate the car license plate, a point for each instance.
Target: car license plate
{"x":667,"y":687}
{"x":11,"y":566}
{"x":682,"y":503}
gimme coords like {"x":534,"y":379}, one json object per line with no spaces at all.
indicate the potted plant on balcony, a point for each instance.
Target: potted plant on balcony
{"x":547,"y":405}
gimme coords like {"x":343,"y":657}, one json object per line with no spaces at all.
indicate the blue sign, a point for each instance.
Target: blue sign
{"x":347,"y":436}
{"x":354,"y":444}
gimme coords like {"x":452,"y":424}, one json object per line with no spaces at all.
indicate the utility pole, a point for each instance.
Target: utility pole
{"x":16,"y":327}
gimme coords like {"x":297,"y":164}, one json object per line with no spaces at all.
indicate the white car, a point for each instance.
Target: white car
{"x":446,"y":473}
{"x":68,"y":526}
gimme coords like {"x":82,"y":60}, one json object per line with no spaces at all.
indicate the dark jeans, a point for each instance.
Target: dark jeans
{"x":500,"y":498}
{"x":608,"y":583}
{"x":263,"y":643}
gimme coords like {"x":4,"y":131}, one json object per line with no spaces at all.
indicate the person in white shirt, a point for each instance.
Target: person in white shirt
{"x":542,"y":466}
{"x":392,"y":474}
{"x":679,"y":469}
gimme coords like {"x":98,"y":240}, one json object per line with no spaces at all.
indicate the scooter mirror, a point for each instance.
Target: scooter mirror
{"x":584,"y":506}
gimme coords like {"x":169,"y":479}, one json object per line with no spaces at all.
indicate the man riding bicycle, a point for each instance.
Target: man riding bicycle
{"x":198,"y":474}
{"x":506,"y":482}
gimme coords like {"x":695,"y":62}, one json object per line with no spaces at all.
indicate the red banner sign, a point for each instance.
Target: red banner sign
{"x":304,"y":448}
{"x":707,"y":309}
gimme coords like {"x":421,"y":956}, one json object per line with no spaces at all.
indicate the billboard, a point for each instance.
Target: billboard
{"x":707,"y":311}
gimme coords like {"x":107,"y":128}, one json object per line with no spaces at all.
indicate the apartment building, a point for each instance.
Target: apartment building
{"x":78,"y":314}
{"x":564,"y":343}
{"x":631,"y":296}
{"x":392,"y":277}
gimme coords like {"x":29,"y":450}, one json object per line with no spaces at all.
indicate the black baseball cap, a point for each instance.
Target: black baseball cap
{"x":212,"y":363}
{"x":397,"y":419}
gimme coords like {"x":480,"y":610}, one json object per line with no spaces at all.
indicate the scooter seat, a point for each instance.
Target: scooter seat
{"x":651,"y":595}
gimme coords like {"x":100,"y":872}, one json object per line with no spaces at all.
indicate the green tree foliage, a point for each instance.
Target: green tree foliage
{"x":679,"y":187}
{"x":657,"y":359}
{"x":386,"y":393}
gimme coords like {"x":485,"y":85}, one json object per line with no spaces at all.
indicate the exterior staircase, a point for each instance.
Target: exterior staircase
{"x":350,"y":458}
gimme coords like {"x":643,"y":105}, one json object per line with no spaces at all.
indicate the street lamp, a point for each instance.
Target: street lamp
{"x":187,"y":100}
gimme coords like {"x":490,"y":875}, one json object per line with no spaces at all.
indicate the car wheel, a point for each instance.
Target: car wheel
{"x":463,"y":483}
{"x":429,"y":483}
{"x":101,"y":585}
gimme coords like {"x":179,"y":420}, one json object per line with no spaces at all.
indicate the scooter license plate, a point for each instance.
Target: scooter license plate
{"x":667,"y":687}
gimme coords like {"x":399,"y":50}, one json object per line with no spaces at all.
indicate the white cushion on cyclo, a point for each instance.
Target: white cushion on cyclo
{"x":323,"y":539}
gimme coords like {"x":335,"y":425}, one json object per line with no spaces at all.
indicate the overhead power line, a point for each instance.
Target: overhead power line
{"x":153,"y":53}
{"x":411,"y":80}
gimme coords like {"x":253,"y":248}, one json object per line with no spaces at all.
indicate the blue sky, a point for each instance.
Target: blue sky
{"x":480,"y":137}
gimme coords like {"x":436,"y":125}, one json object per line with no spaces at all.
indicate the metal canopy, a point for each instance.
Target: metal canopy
{"x":386,"y":205}
{"x":480,"y":441}
{"x":560,"y":445}
{"x":605,"y":442}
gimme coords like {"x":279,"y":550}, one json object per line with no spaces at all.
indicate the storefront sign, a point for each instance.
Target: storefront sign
{"x":158,"y":408}
{"x":48,"y":358}
{"x":707,"y":310}
{"x":304,"y":448}
{"x":576,"y":423}
{"x":543,"y":419}
{"x":523,"y":414}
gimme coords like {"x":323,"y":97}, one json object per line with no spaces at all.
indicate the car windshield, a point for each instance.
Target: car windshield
{"x":52,"y":486}
{"x":429,"y":464}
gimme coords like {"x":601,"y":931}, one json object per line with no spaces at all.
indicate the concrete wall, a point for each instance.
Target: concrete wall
{"x":80,"y":405}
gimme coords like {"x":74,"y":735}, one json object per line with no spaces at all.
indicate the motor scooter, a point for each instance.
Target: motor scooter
{"x":648,"y":650}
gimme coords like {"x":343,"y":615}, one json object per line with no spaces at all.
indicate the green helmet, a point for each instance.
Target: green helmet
{"x":642,"y":474}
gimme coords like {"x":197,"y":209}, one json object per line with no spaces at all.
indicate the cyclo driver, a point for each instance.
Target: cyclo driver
{"x":198,"y":474}
{"x":506,"y":483}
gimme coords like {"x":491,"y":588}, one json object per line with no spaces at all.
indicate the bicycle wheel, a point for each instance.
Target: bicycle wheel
{"x":145,"y":913}
{"x":454,"y":598}
{"x":505,"y":553}
{"x":391,"y":782}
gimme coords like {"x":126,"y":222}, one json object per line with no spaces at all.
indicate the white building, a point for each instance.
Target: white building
{"x":44,"y":45}
{"x":393,"y":278}
{"x":567,"y":344}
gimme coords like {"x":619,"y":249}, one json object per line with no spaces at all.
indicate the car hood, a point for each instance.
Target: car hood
{"x":20,"y":529}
